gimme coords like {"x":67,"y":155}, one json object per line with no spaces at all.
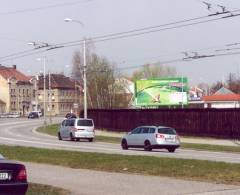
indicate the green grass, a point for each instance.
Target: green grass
{"x":200,"y":170}
{"x":52,"y":130}
{"x":209,"y":147}
{"x":40,"y":189}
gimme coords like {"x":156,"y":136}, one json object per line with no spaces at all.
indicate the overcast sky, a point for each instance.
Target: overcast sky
{"x":22,"y":23}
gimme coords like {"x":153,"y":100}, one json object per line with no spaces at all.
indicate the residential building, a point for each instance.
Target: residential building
{"x":2,"y":106}
{"x":62,"y":95}
{"x":16,"y":90}
{"x":223,"y":98}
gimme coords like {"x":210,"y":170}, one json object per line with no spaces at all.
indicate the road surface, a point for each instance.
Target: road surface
{"x":79,"y":181}
{"x":20,"y":132}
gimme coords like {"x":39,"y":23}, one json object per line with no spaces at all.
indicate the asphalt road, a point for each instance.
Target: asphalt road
{"x":20,"y":132}
{"x":78,"y":181}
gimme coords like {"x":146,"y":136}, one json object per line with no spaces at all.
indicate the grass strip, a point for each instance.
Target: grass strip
{"x":40,"y":189}
{"x":198,"y":170}
{"x":52,"y":130}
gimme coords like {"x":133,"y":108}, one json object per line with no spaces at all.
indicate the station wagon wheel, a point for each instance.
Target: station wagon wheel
{"x":124,"y":144}
{"x":90,"y":139}
{"x":147,"y":146}
{"x":171,"y":150}
{"x":59,"y":136}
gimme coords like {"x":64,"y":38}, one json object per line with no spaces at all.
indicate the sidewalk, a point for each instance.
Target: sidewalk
{"x":197,"y":140}
{"x":90,"y":182}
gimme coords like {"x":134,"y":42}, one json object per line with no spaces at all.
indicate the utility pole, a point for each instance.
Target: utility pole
{"x":44,"y":90}
{"x":50,"y":97}
{"x":182,"y":93}
{"x":84,"y":67}
{"x":84,"y":78}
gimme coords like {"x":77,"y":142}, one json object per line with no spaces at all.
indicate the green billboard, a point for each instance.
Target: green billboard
{"x":162,"y":91}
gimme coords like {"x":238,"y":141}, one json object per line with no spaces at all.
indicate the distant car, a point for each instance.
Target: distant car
{"x":76,"y":129}
{"x":13,"y":177}
{"x":39,"y":113}
{"x":4,"y":115}
{"x":70,"y":115}
{"x":33,"y":115}
{"x":150,"y":137}
{"x":14,"y":115}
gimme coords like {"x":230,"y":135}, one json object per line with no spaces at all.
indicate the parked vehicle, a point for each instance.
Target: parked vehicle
{"x":39,"y":113}
{"x":76,"y":129}
{"x":4,"y":115}
{"x":150,"y":137}
{"x":33,"y":115}
{"x":13,"y":177}
{"x":14,"y":115}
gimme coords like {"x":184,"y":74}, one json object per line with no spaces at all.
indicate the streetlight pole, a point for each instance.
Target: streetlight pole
{"x":84,"y":78}
{"x":50,"y":97}
{"x":44,"y":89}
{"x":84,"y":68}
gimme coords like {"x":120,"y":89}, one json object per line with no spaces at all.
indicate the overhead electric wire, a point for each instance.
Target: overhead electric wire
{"x":21,"y":56}
{"x":157,"y":26}
{"x":137,"y":66}
{"x":126,"y":34}
{"x":121,"y":36}
{"x":18,"y":53}
{"x":44,"y":7}
{"x":178,"y":60}
{"x":141,"y":29}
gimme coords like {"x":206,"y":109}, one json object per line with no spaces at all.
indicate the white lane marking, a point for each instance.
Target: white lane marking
{"x":53,"y":144}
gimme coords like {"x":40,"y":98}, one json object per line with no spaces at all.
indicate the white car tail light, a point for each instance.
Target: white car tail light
{"x":160,"y":136}
{"x":177,"y":137}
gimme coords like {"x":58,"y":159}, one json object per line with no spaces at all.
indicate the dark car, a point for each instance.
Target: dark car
{"x":33,"y":115}
{"x":13,"y":178}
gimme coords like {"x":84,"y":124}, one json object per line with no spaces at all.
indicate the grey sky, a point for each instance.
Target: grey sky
{"x":102,"y":17}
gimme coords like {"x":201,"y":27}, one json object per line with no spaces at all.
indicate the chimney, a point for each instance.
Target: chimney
{"x":14,"y":67}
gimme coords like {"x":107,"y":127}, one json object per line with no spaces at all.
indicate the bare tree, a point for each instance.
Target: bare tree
{"x":154,"y":71}
{"x":216,"y":86}
{"x":101,"y":76}
{"x":233,"y":83}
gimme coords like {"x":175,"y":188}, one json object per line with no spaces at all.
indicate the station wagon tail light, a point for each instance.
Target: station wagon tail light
{"x":160,"y":136}
{"x":22,"y":175}
{"x":74,"y":129}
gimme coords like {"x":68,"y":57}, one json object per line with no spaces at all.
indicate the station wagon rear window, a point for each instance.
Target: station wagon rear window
{"x":169,"y":131}
{"x":87,"y":123}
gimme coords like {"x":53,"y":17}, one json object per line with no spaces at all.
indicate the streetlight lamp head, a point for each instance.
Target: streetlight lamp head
{"x":31,"y":43}
{"x":68,"y":19}
{"x":73,"y":20}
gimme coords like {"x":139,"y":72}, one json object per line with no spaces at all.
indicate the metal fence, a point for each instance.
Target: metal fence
{"x":220,"y":123}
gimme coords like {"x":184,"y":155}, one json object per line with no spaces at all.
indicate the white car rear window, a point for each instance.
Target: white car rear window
{"x":85,"y":122}
{"x":169,"y":131}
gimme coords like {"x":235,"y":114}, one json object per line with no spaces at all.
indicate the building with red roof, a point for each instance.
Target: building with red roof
{"x":16,"y":91}
{"x":223,"y":98}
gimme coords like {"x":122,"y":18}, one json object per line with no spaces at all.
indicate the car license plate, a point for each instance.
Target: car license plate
{"x":170,"y":139}
{"x":4,"y":176}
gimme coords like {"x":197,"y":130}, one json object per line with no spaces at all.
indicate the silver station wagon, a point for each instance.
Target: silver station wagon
{"x":76,"y":129}
{"x":150,"y":137}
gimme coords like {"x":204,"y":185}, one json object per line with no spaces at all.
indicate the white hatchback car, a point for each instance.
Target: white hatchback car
{"x":76,"y":129}
{"x":149,"y":137}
